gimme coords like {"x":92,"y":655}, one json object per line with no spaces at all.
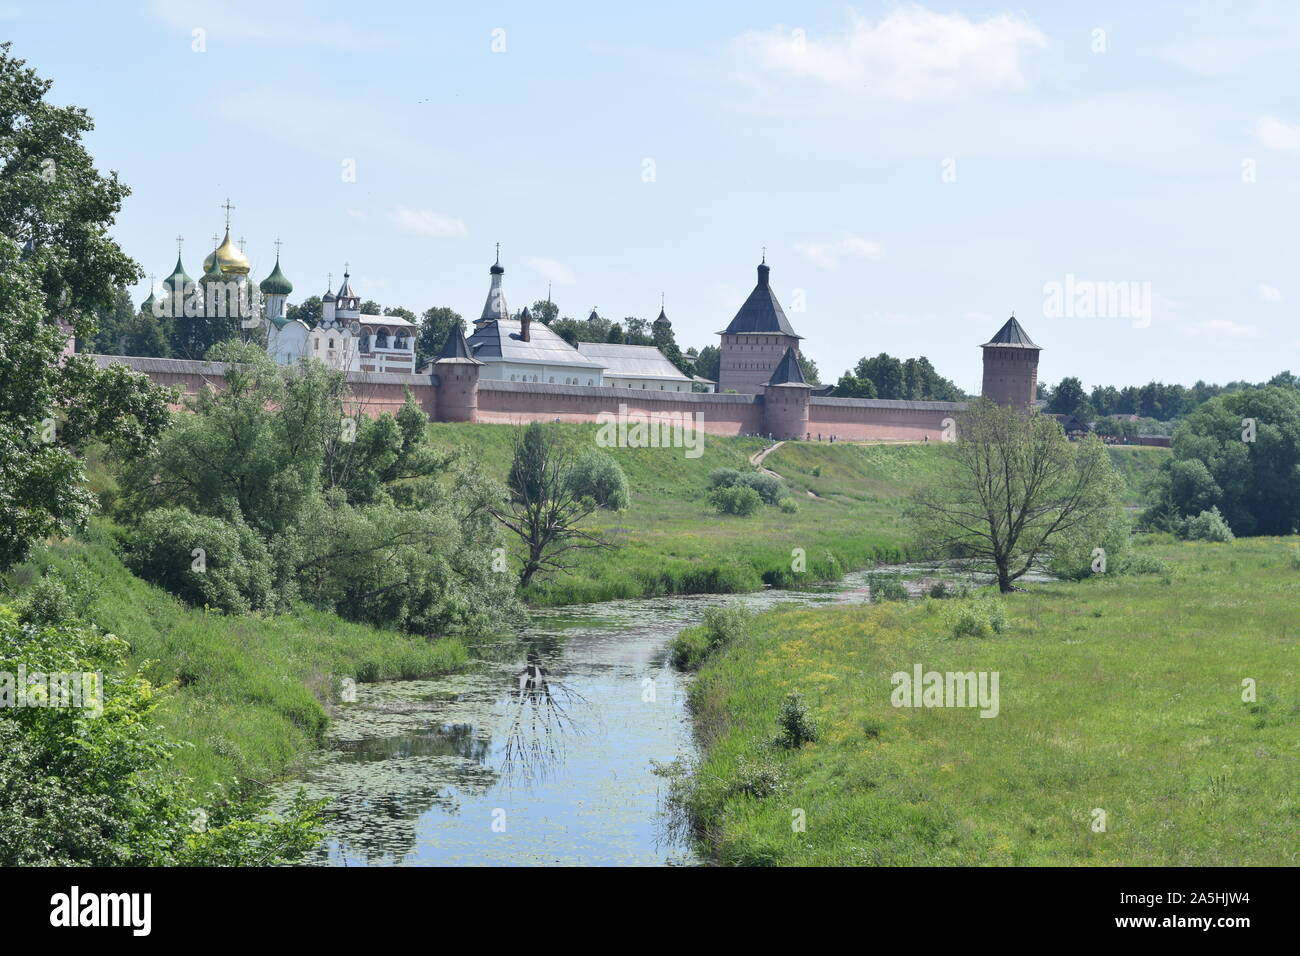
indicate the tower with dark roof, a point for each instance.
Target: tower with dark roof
{"x":457,"y":371}
{"x":495,"y":308}
{"x":756,"y":341}
{"x":1011,"y":366}
{"x":785,"y":399}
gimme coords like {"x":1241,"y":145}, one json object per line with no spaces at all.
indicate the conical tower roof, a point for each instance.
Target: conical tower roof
{"x":456,"y":349}
{"x":788,"y":371}
{"x":1011,"y":336}
{"x":761,"y":312}
{"x":178,"y":280}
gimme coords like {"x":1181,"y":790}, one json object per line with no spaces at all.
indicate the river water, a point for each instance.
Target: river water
{"x":542,"y":756}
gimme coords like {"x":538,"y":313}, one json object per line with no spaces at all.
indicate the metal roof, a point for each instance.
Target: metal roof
{"x":500,"y":341}
{"x":1011,"y":336}
{"x":788,"y":371}
{"x":632,"y":361}
{"x":761,"y":312}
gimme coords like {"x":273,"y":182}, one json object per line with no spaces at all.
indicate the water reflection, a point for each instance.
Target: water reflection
{"x":552,"y":735}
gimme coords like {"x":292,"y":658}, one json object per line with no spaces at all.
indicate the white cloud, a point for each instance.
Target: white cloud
{"x":1224,"y":330}
{"x":426,"y":222}
{"x":302,"y":26}
{"x":552,"y":270}
{"x":911,"y":55}
{"x":829,"y":254}
{"x":1270,"y":293}
{"x":1274,"y":134}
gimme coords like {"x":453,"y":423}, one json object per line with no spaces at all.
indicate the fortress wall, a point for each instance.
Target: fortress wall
{"x":865,"y":418}
{"x":516,"y":402}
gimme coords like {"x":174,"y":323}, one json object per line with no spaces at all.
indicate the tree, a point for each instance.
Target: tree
{"x":371,"y":307}
{"x":544,"y":509}
{"x":1013,"y":487}
{"x":50,"y":408}
{"x":616,"y":336}
{"x":809,"y":369}
{"x":850,"y":386}
{"x":1247,"y":446}
{"x":1068,"y":397}
{"x":52,"y":197}
{"x":709,"y":363}
{"x":544,"y":311}
{"x":308,"y":311}
{"x":399,"y":312}
{"x":435,"y":325}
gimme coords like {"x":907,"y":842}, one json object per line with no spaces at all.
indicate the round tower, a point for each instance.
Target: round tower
{"x":457,"y":372}
{"x":1011,"y":367}
{"x":785,"y":399}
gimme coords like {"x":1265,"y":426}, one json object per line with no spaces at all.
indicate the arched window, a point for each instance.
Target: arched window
{"x":381,"y":340}
{"x":513,"y":377}
{"x":331,"y":343}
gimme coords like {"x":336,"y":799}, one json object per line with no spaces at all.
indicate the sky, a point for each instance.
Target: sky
{"x":914,"y":172}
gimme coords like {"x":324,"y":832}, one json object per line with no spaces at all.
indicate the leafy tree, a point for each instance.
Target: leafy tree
{"x":1013,"y":487}
{"x":597,"y":476}
{"x":308,"y":311}
{"x":1254,"y":484}
{"x":616,"y":335}
{"x":887,"y":377}
{"x":50,"y":409}
{"x":84,"y":790}
{"x":399,"y":312}
{"x":52,"y":196}
{"x":1068,"y":397}
{"x":544,"y":311}
{"x":371,"y":307}
{"x":544,"y":511}
{"x":435,"y":325}
{"x":709,"y":363}
{"x":850,"y":386}
{"x":809,"y":369}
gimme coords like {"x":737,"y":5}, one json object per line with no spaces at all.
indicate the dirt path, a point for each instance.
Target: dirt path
{"x":756,"y":460}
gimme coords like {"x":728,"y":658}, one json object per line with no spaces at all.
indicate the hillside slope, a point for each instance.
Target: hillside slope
{"x":850,"y":499}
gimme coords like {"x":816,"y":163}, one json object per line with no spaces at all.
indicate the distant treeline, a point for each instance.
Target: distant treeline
{"x":1155,"y":400}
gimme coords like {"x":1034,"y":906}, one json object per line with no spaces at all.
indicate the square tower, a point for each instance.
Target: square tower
{"x":755,"y":342}
{"x":1011,"y":367}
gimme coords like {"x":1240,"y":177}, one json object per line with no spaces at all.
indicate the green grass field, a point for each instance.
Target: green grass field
{"x":1116,"y":694}
{"x":250,"y":692}
{"x":671,"y":541}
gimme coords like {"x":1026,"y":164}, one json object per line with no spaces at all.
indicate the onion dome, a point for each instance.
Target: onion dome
{"x":228,"y":258}
{"x":146,"y":306}
{"x":178,"y":281}
{"x":662,"y":322}
{"x":213,"y":270}
{"x":276,"y":283}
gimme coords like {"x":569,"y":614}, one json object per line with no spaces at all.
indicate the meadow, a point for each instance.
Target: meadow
{"x":1121,"y":703}
{"x":672,"y":541}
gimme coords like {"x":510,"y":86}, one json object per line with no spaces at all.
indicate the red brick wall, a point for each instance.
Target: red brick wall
{"x":511,"y":403}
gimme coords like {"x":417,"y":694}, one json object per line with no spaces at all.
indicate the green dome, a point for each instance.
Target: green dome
{"x":178,"y":280}
{"x":147,"y":305}
{"x":276,"y":283}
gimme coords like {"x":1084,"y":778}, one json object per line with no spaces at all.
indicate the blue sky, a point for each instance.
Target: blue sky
{"x":915,"y":172}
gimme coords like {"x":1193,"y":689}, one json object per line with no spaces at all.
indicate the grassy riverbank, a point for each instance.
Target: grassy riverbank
{"x":671,"y":541}
{"x":1116,"y":694}
{"x":250,"y":691}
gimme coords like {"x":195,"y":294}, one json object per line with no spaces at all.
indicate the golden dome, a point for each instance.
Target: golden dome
{"x":228,"y":257}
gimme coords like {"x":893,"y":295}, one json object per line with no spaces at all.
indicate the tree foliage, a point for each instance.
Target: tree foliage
{"x":1013,"y":488}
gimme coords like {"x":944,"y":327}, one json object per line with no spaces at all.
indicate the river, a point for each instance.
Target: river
{"x":542,"y":756}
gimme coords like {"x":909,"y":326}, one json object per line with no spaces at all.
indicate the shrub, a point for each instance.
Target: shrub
{"x":938,"y":590}
{"x":770,"y":488}
{"x":758,"y":777}
{"x":48,"y":602}
{"x":886,"y":587}
{"x":983,"y":616}
{"x":789,"y":506}
{"x":795,"y":723}
{"x":1206,"y":526}
{"x":597,"y":476}
{"x":736,"y":500}
{"x":721,"y":626}
{"x":216,"y":562}
{"x":723,"y":477}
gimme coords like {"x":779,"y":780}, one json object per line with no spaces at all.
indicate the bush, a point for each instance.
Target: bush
{"x":736,"y":500}
{"x":795,"y":723}
{"x":721,"y":626}
{"x":205,"y":561}
{"x":770,"y":488}
{"x":886,"y":587}
{"x":723,"y":477}
{"x":48,"y":602}
{"x":983,"y":616}
{"x":597,"y":476}
{"x":938,"y":590}
{"x":1206,"y":526}
{"x":789,"y":506}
